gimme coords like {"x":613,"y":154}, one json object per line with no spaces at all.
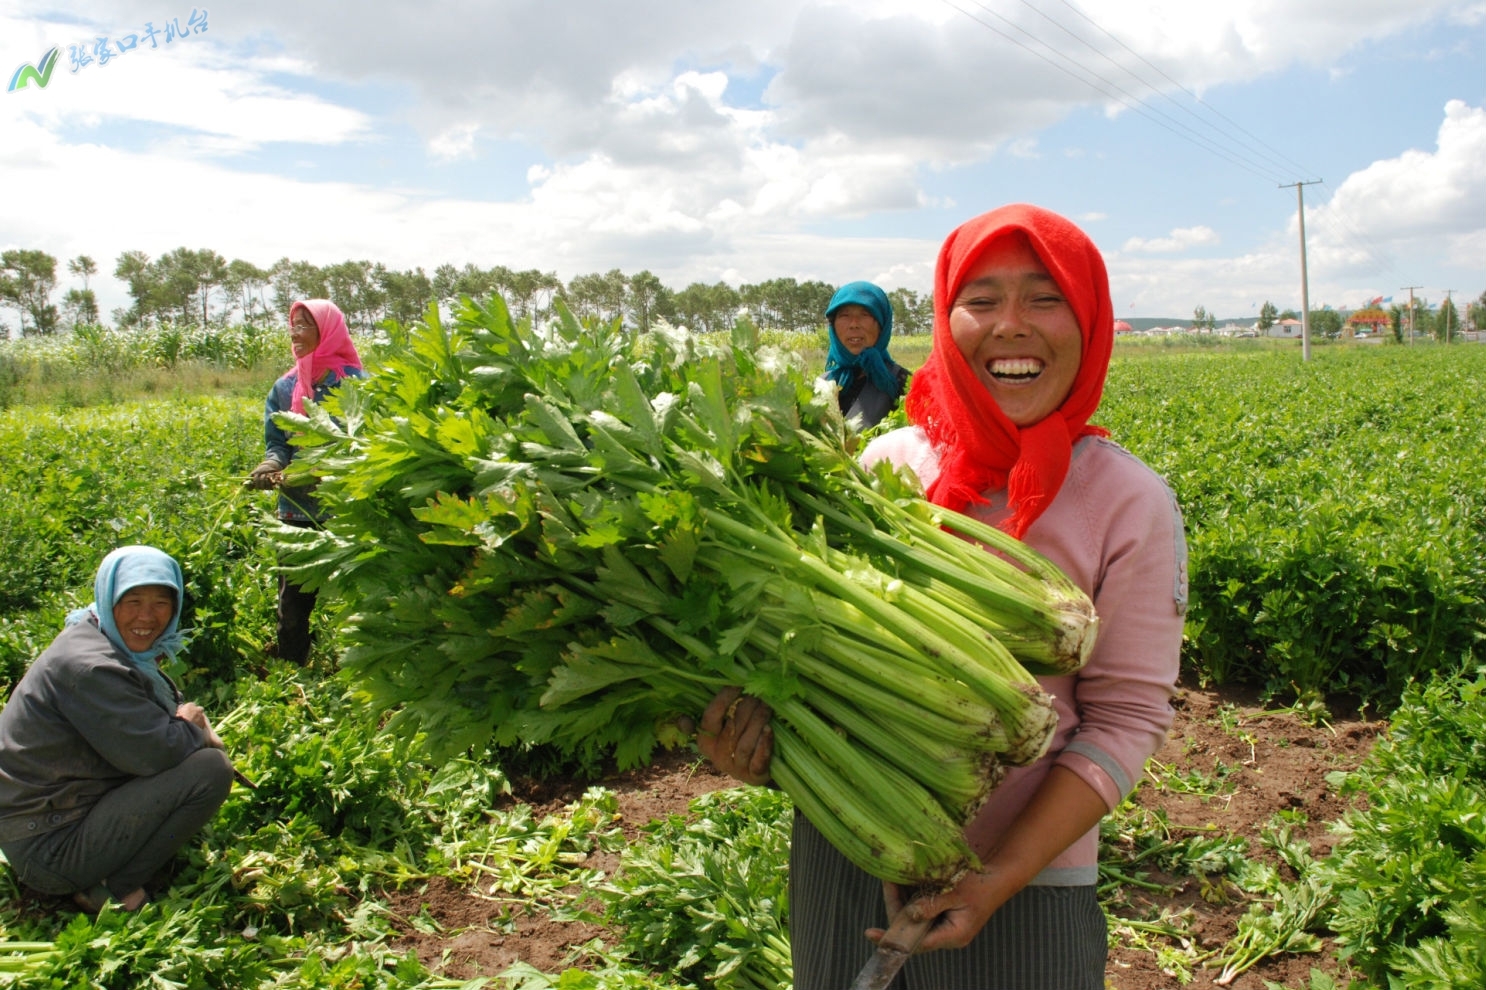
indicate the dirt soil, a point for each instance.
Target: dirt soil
{"x":1269,"y":763}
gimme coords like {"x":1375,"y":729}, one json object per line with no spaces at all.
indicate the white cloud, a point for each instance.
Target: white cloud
{"x":454,"y":143}
{"x":1417,"y":195}
{"x":701,"y":141}
{"x":1179,"y":239}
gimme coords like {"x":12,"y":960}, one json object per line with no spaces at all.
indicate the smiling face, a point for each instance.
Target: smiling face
{"x":856,"y":328}
{"x":304,"y":332}
{"x":1017,"y":331}
{"x":143,"y":613}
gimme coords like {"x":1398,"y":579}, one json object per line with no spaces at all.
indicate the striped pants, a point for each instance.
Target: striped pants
{"x":1044,"y":938}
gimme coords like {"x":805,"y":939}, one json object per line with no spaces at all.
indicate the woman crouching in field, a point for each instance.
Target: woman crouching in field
{"x":105,"y":771}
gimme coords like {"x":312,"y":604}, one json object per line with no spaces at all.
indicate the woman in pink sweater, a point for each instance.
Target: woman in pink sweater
{"x":1023,"y":330}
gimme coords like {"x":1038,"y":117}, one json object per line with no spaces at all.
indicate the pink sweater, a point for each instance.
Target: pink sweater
{"x":1116,"y":531}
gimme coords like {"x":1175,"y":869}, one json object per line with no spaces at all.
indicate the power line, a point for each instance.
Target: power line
{"x":1195,"y":98}
{"x":1260,"y":166}
{"x":1124,"y":97}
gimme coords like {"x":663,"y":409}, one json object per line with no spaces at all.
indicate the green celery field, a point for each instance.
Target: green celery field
{"x":1336,"y":510}
{"x":1336,"y":521}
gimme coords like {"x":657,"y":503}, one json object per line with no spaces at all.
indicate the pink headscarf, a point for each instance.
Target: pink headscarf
{"x":335,"y":352}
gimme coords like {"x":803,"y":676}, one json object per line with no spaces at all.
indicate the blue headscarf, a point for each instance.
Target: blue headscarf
{"x":841,"y":364}
{"x":131,"y":567}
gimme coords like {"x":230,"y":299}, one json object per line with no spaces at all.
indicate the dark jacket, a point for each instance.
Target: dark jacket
{"x":81,"y":722}
{"x":296,"y":505}
{"x":861,"y":398}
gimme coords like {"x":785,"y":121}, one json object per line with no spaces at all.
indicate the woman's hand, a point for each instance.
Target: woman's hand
{"x":735,"y":735}
{"x":196,"y":715}
{"x":266,"y":475}
{"x":960,"y":912}
{"x":1063,"y":808}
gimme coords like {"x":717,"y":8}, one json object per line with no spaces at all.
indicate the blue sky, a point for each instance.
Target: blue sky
{"x":709,"y":141}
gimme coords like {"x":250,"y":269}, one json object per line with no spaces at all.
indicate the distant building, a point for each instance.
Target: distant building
{"x":1285,"y":328}
{"x":1369,"y":321}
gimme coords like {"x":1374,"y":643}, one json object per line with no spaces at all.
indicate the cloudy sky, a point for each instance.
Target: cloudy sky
{"x":710,"y":141}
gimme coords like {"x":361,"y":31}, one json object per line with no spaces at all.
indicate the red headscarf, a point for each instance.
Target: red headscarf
{"x":980,"y":449}
{"x":334,"y":352}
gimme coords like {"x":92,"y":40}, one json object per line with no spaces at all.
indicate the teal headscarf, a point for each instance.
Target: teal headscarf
{"x":130,"y":567}
{"x":841,"y":364}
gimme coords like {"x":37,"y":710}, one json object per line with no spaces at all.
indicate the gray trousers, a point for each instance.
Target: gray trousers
{"x":1044,"y":938}
{"x":130,"y":833}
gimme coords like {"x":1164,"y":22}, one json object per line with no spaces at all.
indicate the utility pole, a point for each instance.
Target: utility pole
{"x":1305,"y":285}
{"x":1411,"y":289}
{"x":1448,"y":307}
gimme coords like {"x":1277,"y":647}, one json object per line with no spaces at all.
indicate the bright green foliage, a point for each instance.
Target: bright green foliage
{"x":1282,"y":924}
{"x":703,"y":896}
{"x":1334,"y":509}
{"x":576,"y":537}
{"x":80,"y":482}
{"x":1411,"y":869}
{"x":285,"y":887}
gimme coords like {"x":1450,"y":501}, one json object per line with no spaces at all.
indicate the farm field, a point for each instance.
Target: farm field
{"x":1335,"y":519}
{"x":1231,"y":766}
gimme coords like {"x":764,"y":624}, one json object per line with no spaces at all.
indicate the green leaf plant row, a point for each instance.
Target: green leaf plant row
{"x":576,"y":536}
{"x":1336,"y":510}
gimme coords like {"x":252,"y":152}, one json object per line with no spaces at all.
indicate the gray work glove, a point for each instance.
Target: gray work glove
{"x":266,"y":475}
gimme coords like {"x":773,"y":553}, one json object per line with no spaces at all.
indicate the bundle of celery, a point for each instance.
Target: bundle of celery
{"x":578,"y":535}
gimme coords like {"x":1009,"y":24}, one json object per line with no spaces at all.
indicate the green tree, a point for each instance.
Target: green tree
{"x":243,"y":287}
{"x":27,"y":279}
{"x":1395,"y":322}
{"x":706,"y":308}
{"x":584,"y":295}
{"x":912,"y":313}
{"x":649,"y":300}
{"x":529,"y":293}
{"x":294,"y":280}
{"x":353,"y":286}
{"x":178,"y":284}
{"x":787,"y":304}
{"x":1447,"y":322}
{"x":451,"y":284}
{"x":84,"y":267}
{"x":80,"y":306}
{"x":614,"y":289}
{"x":1202,"y":320}
{"x":1268,"y":316}
{"x":406,"y":294}
{"x":1326,"y":323}
{"x":133,"y":269}
{"x":1475,"y":314}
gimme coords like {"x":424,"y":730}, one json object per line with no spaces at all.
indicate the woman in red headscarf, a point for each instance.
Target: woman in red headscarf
{"x":1023,"y":330}
{"x":324,"y":356}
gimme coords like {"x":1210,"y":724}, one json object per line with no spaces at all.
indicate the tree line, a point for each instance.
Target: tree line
{"x":201,"y":287}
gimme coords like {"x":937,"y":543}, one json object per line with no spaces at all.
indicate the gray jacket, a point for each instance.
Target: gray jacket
{"x":80,"y":722}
